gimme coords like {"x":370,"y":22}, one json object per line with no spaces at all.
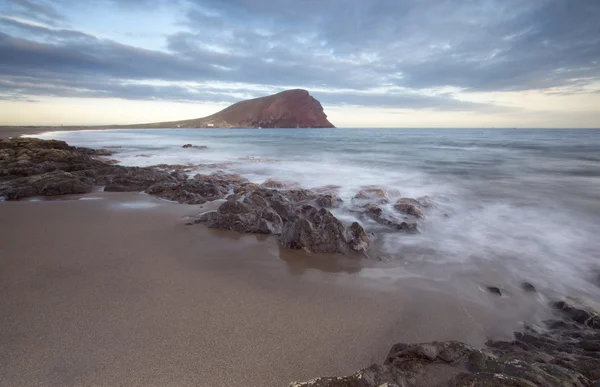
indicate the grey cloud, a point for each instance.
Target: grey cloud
{"x":39,"y":10}
{"x":332,"y":45}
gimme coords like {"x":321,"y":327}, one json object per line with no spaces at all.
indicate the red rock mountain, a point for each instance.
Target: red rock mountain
{"x":288,"y":109}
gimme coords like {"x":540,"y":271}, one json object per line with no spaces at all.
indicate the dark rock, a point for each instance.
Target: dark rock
{"x":376,"y":213}
{"x":409,"y":206}
{"x":300,"y":195}
{"x":245,"y":188}
{"x":241,"y":217}
{"x":526,"y":286}
{"x":187,"y":146}
{"x":137,"y":179}
{"x":272,"y":183}
{"x":494,"y":290}
{"x":189,"y":191}
{"x":328,"y":200}
{"x":375,"y":195}
{"x":578,"y":313}
{"x":46,"y":184}
{"x":95,"y":152}
{"x":321,"y":232}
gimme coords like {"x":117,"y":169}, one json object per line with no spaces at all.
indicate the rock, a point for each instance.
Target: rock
{"x":173,"y":167}
{"x":95,"y":152}
{"x":526,"y":286}
{"x":562,"y":355}
{"x":242,"y":217}
{"x":328,"y":200}
{"x":327,"y":189}
{"x":494,"y":290}
{"x":46,"y":184}
{"x":137,"y":179}
{"x":376,"y":213}
{"x":272,"y":183}
{"x":578,"y":313}
{"x":409,"y":206}
{"x":277,"y":200}
{"x":300,"y":195}
{"x":321,"y":232}
{"x":189,"y":191}
{"x":188,"y":146}
{"x":375,"y":195}
{"x":245,"y":188}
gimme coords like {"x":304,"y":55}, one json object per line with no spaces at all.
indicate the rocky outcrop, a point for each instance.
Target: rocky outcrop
{"x":300,"y":217}
{"x":288,"y":109}
{"x":190,"y":146}
{"x":290,"y":215}
{"x":318,"y":231}
{"x":566,"y":353}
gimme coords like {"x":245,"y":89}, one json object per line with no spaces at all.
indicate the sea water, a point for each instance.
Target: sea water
{"x":525,"y":202}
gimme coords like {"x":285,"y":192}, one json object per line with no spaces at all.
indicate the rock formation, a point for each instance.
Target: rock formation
{"x":301,"y":218}
{"x":288,"y":109}
{"x":565,"y":353}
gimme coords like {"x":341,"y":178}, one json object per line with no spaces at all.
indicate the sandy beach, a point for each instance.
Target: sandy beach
{"x":115,"y":289}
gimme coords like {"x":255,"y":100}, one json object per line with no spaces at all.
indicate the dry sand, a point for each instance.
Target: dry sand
{"x":119,"y":291}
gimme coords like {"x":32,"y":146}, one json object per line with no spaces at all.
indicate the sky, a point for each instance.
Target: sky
{"x":375,"y":63}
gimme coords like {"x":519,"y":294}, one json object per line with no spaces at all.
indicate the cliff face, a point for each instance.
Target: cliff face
{"x":288,"y":109}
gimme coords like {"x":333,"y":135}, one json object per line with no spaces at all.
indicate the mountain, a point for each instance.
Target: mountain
{"x":288,"y":109}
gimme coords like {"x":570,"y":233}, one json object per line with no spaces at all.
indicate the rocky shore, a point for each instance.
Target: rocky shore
{"x":301,"y":218}
{"x":563,"y":352}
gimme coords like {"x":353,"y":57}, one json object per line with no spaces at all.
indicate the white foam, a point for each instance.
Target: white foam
{"x":526,"y":233}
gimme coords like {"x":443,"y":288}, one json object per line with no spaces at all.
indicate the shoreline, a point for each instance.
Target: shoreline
{"x":119,"y":290}
{"x":136,"y":267}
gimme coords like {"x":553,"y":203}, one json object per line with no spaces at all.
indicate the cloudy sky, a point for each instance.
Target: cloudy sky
{"x":393,"y":63}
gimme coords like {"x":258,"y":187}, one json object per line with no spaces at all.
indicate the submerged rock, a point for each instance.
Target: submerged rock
{"x":188,"y":146}
{"x":526,"y":286}
{"x":494,"y":290}
{"x":375,"y":195}
{"x":272,"y":183}
{"x":409,"y":206}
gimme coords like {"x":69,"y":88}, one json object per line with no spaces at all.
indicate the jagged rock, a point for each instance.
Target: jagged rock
{"x":229,"y":179}
{"x":189,"y":191}
{"x":46,"y":184}
{"x":245,"y":188}
{"x":242,"y":217}
{"x":321,"y":232}
{"x":494,"y":290}
{"x":578,"y":313}
{"x":272,"y":183}
{"x":374,"y":195}
{"x":562,"y":355}
{"x":376,"y":213}
{"x":95,"y":152}
{"x":187,"y":146}
{"x":137,"y":179}
{"x":409,"y":206}
{"x":277,"y":200}
{"x":526,"y":286}
{"x":300,"y":195}
{"x":328,"y":200}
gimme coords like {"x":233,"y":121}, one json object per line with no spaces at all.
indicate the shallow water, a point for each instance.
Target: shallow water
{"x":511,"y":205}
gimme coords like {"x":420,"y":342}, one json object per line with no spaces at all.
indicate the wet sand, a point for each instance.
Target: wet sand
{"x":117,"y":290}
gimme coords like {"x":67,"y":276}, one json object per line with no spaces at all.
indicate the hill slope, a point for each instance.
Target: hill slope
{"x":288,"y":109}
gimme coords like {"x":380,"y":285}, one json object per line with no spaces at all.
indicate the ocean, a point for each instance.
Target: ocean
{"x":510,"y":205}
